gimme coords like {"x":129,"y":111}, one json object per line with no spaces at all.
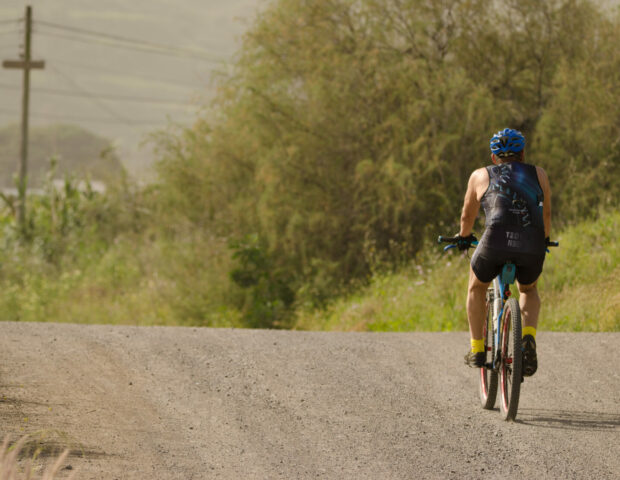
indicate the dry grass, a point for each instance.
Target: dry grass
{"x":12,"y":469}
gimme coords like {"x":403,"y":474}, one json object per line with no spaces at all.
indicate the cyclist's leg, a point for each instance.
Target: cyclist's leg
{"x":476,"y":305}
{"x":529,"y":301}
{"x":476,"y":314}
{"x":529,"y":268}
{"x":485,"y":265}
{"x":483,"y":269}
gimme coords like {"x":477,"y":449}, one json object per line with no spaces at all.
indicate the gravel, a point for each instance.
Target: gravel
{"x":198,"y":403}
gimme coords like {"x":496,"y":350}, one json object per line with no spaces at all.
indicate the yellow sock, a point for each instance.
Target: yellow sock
{"x":477,"y":346}
{"x":529,"y":331}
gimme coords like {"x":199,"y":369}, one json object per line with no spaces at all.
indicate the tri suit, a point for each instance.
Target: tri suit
{"x":514,"y":227}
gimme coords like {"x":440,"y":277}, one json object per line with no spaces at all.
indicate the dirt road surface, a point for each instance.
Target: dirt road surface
{"x":186,"y":403}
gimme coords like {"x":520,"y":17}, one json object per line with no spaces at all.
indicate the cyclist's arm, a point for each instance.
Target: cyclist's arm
{"x":471,"y":205}
{"x":546,"y":188}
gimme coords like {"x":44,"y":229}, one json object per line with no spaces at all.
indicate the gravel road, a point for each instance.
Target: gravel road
{"x":187,"y":403}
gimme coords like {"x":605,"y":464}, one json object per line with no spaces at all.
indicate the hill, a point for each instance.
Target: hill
{"x":77,"y":151}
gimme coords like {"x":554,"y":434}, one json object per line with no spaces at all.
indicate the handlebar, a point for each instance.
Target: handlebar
{"x":453,"y":241}
{"x":442,"y":239}
{"x":549,"y":243}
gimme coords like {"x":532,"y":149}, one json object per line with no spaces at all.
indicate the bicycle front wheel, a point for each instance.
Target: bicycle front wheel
{"x":511,"y":364}
{"x":488,"y":377}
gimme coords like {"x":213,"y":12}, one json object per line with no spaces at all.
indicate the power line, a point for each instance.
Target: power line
{"x":119,"y":38}
{"x":79,"y":118}
{"x":123,"y":42}
{"x":8,"y":22}
{"x":126,"y":74}
{"x":104,"y":96}
{"x":95,"y":100}
{"x":123,"y":47}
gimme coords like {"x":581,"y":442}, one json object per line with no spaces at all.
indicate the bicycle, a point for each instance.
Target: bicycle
{"x":502,"y":327}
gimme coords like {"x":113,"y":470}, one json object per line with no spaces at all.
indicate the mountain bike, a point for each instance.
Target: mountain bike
{"x":502,"y":338}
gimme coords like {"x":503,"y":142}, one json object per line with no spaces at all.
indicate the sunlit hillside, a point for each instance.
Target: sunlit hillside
{"x":578,"y":291}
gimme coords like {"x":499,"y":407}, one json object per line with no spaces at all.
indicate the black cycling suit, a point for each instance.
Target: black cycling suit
{"x":515,"y":231}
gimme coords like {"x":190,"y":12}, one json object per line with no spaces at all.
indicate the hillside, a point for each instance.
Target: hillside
{"x":77,"y":151}
{"x":578,"y":289}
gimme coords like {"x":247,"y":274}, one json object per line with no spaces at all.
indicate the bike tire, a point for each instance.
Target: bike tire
{"x":488,"y":378}
{"x":511,"y":365}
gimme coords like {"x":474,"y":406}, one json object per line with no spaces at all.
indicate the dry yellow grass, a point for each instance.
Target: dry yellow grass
{"x":12,"y":469}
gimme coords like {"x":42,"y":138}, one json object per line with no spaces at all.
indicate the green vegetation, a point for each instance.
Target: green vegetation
{"x":578,"y":289}
{"x":347,"y":131}
{"x":87,"y":257}
{"x":339,"y":145}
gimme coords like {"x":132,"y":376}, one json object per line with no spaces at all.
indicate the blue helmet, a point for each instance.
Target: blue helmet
{"x":507,"y":142}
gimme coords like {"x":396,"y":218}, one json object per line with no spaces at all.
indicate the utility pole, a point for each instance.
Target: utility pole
{"x":25,"y":64}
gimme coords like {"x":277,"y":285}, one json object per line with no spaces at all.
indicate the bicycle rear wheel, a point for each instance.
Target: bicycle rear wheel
{"x":511,"y":360}
{"x":487,"y":377}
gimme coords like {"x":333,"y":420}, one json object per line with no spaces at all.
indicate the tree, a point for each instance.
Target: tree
{"x":348,"y":128}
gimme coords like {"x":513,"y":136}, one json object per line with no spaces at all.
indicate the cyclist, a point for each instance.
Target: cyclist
{"x":516,"y":198}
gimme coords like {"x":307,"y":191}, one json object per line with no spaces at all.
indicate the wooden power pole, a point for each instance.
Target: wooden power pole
{"x":25,"y":64}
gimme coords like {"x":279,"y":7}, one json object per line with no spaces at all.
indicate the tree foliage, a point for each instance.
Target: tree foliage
{"x":347,"y":130}
{"x":578,"y":136}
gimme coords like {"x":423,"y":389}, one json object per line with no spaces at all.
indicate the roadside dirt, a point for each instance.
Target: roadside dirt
{"x":185,"y":403}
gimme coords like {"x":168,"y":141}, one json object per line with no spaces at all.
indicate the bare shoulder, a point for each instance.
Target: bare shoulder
{"x":479,"y":176}
{"x":541,"y":171}
{"x":479,"y":182}
{"x":542,"y":177}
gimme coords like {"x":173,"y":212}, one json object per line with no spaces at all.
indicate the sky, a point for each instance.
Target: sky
{"x":119,"y":89}
{"x":115,"y":88}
